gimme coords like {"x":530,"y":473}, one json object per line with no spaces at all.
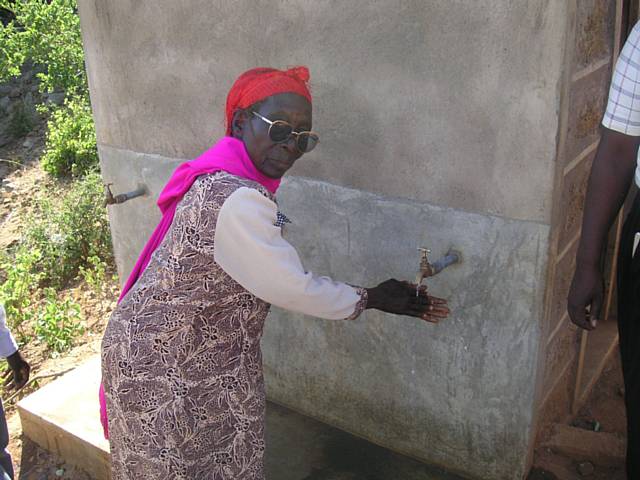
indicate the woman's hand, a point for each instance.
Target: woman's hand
{"x":394,"y":296}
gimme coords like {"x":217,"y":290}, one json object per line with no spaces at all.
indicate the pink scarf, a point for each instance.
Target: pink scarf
{"x":230,"y":155}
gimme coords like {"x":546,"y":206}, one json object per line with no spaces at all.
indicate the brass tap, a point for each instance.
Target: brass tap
{"x":425,"y":268}
{"x":428,"y":269}
{"x":111,"y":199}
{"x":108,"y":195}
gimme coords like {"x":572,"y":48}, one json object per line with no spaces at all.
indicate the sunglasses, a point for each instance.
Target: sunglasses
{"x":281,"y":131}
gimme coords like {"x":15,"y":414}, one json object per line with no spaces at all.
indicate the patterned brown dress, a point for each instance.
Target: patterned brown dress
{"x":181,"y":359}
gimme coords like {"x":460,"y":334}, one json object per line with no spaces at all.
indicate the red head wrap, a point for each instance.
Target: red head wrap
{"x":259,"y":83}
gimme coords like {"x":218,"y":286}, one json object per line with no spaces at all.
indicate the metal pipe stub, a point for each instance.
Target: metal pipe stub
{"x":450,"y":258}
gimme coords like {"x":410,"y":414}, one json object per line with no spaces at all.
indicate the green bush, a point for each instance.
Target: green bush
{"x":67,"y":238}
{"x":70,"y":233}
{"x":20,"y":285}
{"x":58,"y":322}
{"x":95,"y":274}
{"x":48,"y":33}
{"x":71,"y":140}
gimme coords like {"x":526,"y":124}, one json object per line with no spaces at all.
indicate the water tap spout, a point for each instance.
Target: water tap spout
{"x":111,"y":199}
{"x":428,"y":269}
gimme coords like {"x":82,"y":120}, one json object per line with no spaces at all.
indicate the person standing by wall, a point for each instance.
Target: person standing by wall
{"x":184,"y":391}
{"x":611,"y":177}
{"x":15,"y":377}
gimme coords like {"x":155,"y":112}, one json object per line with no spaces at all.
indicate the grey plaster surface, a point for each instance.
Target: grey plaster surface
{"x":459,"y":394}
{"x":447,"y":101}
{"x":133,"y":222}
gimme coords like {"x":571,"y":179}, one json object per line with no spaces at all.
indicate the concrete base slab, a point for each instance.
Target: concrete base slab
{"x":63,"y":417}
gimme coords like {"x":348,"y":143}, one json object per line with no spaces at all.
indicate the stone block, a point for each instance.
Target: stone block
{"x":56,"y":98}
{"x":595,"y":28}
{"x":574,"y":189}
{"x":557,"y":398}
{"x":64,"y":417}
{"x":599,"y":448}
{"x":554,"y":467}
{"x":564,"y":271}
{"x":588,"y":100}
{"x":560,"y":351}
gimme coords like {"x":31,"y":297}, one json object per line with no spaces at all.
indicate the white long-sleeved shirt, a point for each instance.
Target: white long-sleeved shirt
{"x":8,"y":345}
{"x":249,"y":247}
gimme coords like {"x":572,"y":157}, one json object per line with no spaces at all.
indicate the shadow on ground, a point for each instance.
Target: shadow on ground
{"x":301,"y":448}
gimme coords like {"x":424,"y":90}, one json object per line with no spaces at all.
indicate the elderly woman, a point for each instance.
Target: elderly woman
{"x":181,"y":359}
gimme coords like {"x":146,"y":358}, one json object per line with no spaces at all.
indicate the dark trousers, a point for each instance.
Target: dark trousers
{"x":6,"y":467}
{"x":629,"y":329}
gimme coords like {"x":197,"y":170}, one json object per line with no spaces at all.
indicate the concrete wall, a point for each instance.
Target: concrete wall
{"x":438,"y":124}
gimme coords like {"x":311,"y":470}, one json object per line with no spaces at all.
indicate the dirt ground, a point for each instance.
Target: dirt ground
{"x":607,"y":401}
{"x":606,"y":407}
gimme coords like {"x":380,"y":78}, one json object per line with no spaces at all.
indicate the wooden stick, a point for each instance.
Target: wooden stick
{"x":38,"y":377}
{"x":577,"y":390}
{"x":15,"y":163}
